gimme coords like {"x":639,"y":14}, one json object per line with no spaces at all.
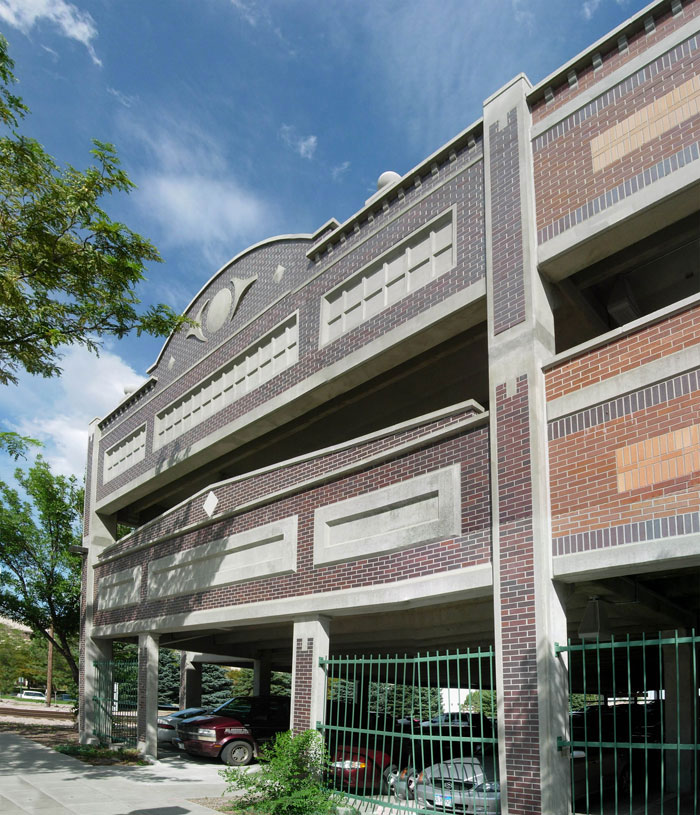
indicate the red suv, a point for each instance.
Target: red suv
{"x":234,"y":731}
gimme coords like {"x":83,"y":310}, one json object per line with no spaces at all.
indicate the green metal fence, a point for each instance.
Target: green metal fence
{"x":413,"y":733}
{"x":634,"y":724}
{"x":115,"y":701}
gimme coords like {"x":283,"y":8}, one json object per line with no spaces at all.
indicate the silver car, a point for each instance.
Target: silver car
{"x":167,"y":724}
{"x":462,"y":785}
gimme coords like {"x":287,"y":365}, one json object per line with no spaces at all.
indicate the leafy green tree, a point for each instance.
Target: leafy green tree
{"x":68,"y":272}
{"x":39,"y":569}
{"x":216,"y":685}
{"x":481,"y":701}
{"x":242,"y":682}
{"x":168,"y":677}
{"x":401,"y":701}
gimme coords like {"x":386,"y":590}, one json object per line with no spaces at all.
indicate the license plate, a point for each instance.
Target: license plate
{"x":443,"y":800}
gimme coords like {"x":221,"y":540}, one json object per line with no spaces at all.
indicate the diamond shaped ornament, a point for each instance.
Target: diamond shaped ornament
{"x":211,"y":502}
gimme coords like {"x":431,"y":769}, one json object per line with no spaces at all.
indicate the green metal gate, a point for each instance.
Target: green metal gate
{"x":634,"y":725}
{"x":115,"y":701}
{"x":414,"y":733}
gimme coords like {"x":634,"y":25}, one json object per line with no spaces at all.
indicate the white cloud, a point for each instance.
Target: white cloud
{"x":248,"y":10}
{"x":305,"y":146}
{"x":194,"y":208}
{"x":589,"y":8}
{"x":58,"y":411}
{"x":70,"y":20}
{"x":122,"y":98}
{"x":339,"y":170}
{"x":190,"y":191}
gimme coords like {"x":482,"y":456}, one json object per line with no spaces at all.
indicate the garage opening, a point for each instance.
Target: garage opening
{"x":634,"y":724}
{"x":414,"y":732}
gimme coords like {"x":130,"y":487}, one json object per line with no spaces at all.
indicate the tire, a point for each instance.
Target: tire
{"x":237,"y":753}
{"x":387,"y":787}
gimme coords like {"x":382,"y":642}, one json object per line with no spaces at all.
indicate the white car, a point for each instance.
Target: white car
{"x":37,"y":695}
{"x":168,"y":723}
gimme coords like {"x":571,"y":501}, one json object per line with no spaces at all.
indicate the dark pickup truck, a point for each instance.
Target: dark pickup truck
{"x":234,"y":731}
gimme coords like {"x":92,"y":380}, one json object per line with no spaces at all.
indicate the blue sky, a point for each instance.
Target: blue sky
{"x":239,"y":120}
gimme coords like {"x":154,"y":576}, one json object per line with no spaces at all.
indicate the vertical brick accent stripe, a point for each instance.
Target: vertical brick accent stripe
{"x":517,"y":596}
{"x":303,"y":670}
{"x":506,"y":226}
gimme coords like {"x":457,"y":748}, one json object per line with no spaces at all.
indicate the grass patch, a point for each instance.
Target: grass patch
{"x":98,"y":756}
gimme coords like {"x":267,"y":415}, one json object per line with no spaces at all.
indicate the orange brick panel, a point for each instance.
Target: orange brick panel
{"x":588,"y":509}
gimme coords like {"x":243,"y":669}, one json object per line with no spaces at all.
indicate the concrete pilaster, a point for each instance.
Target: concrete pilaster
{"x":311,"y":642}
{"x":190,"y":681}
{"x":99,"y":532}
{"x":147,"y":706}
{"x":529,"y":618}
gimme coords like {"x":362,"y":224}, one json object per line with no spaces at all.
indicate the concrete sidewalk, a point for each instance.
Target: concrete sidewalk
{"x":36,"y":780}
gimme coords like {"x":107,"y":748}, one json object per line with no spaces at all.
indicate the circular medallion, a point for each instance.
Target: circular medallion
{"x":219,"y":309}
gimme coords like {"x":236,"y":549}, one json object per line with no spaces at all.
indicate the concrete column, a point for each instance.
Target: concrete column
{"x":529,"y":616}
{"x":262,"y":676}
{"x":679,"y":687}
{"x":311,"y":642}
{"x":95,"y":650}
{"x":147,"y":705}
{"x":190,"y":681}
{"x":98,"y":532}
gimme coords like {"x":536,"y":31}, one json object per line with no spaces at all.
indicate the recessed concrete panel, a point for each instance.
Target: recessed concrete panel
{"x":420,"y":510}
{"x":261,"y":552}
{"x":119,"y":589}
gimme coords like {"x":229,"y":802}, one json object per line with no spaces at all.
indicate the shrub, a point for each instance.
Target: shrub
{"x":289,"y":780}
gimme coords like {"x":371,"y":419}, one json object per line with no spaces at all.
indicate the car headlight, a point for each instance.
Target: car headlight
{"x":206,"y":734}
{"x":348,"y":765}
{"x":487,"y":786}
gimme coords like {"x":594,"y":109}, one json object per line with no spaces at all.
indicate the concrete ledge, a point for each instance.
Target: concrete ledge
{"x":629,"y":558}
{"x":469,"y":583}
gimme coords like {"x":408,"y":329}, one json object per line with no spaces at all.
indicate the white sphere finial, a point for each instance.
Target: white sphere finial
{"x":387,"y":179}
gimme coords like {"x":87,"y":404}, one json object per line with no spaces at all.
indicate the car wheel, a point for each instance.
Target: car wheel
{"x":389,"y":779}
{"x":237,"y":753}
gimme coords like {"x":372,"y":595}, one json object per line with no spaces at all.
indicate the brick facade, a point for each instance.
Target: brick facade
{"x":615,"y":462}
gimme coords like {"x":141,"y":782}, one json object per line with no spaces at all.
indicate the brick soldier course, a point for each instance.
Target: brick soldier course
{"x":476,"y":400}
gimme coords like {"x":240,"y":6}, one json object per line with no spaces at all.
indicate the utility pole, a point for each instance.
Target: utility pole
{"x":49,"y":670}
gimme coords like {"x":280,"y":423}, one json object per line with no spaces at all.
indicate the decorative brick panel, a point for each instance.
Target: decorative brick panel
{"x":303,"y":680}
{"x":517,"y":597}
{"x":569,"y":189}
{"x":470,"y":548}
{"x":625,"y":354}
{"x":588,"y":509}
{"x":506,"y":225}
